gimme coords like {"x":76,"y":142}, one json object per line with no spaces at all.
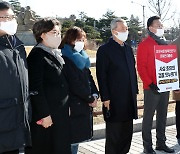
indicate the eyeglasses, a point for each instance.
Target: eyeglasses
{"x":55,"y":33}
{"x":11,"y":17}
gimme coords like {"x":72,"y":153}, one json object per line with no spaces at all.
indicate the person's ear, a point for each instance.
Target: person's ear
{"x":73,"y":42}
{"x":43,"y":36}
{"x":114,"y":32}
{"x":151,"y":29}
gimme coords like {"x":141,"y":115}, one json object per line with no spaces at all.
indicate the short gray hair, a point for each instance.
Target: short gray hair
{"x":115,"y":21}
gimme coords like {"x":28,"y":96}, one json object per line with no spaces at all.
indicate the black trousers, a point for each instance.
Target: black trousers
{"x":178,"y":119}
{"x":118,"y":137}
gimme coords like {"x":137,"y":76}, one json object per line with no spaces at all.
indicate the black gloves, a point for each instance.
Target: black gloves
{"x":107,"y":114}
{"x":154,"y":88}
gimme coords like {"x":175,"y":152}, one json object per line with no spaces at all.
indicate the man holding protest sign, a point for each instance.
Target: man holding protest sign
{"x":155,"y":98}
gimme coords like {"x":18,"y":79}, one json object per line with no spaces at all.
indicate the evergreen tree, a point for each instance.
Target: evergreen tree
{"x":134,"y":30}
{"x":104,"y":25}
{"x":16,"y":5}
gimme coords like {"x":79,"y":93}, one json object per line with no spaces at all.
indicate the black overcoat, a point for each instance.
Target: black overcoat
{"x":117,"y":80}
{"x":49,"y":90}
{"x":82,"y":86}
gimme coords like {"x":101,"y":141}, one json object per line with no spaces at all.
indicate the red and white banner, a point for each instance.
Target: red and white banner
{"x":166,"y":67}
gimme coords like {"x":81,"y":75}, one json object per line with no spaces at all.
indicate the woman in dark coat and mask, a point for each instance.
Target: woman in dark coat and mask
{"x":83,"y":92}
{"x":49,"y":90}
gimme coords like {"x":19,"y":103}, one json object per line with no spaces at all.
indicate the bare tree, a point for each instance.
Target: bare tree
{"x":162,"y":8}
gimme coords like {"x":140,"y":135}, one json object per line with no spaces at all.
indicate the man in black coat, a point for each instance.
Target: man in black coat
{"x":116,"y":75}
{"x":14,"y":127}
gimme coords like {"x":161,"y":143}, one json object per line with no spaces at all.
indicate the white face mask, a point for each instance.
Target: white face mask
{"x":9,"y":27}
{"x":79,"y":45}
{"x":52,"y":41}
{"x":160,"y":32}
{"x":122,"y":36}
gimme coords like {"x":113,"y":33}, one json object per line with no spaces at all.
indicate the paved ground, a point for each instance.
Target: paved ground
{"x":97,"y":147}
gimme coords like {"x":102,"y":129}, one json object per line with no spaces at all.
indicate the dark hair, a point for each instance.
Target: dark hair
{"x":43,"y":26}
{"x":151,"y":19}
{"x":71,"y":35}
{"x":5,"y":6}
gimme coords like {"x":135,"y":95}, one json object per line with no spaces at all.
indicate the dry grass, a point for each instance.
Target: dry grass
{"x":99,"y":119}
{"x":28,"y":49}
{"x":91,"y":53}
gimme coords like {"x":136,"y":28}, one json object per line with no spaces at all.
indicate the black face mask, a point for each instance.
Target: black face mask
{"x":160,"y":41}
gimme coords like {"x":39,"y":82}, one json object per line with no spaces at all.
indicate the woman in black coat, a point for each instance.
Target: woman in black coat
{"x":83,"y":92}
{"x":49,"y":91}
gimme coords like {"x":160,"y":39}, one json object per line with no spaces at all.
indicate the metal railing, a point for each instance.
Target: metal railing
{"x":96,"y":113}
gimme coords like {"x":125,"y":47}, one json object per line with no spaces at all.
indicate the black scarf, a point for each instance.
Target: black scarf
{"x":159,"y":40}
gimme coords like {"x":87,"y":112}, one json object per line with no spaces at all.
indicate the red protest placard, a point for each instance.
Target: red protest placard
{"x":166,"y":67}
{"x":165,"y":53}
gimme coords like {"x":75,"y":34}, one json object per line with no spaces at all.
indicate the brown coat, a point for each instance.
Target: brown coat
{"x":176,"y":96}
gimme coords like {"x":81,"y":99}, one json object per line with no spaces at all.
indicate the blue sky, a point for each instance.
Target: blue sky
{"x":94,"y":8}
